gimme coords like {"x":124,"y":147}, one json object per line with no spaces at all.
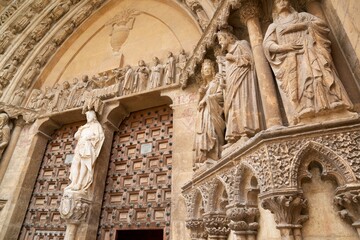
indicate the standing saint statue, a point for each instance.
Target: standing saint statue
{"x":210,"y":124}
{"x":90,"y":139}
{"x":240,"y":105}
{"x":298,"y":49}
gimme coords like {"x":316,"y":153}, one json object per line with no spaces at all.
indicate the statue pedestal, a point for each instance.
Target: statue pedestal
{"x":74,"y":208}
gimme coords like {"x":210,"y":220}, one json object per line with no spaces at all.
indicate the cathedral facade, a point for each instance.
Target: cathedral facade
{"x":179,"y":119}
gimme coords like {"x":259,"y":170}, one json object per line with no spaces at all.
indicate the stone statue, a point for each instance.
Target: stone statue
{"x":6,"y":39}
{"x":63,"y":96}
{"x":90,"y":138}
{"x":170,"y":69}
{"x":298,"y":49}
{"x":7,"y":73}
{"x":31,"y":73}
{"x":240,"y":105}
{"x":141,"y":77}
{"x":128,"y":80}
{"x":156,"y":74}
{"x":40,"y":30}
{"x":182,"y":59}
{"x":4,"y":132}
{"x":19,"y":95}
{"x":210,"y":124}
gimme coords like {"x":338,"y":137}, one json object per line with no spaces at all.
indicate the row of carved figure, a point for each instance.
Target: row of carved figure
{"x":118,"y":82}
{"x":298,"y":50}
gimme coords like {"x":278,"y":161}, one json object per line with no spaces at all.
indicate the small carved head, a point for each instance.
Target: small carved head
{"x":4,"y":118}
{"x":156,"y":60}
{"x":85,"y":78}
{"x":66,"y":85}
{"x":225,"y":37}
{"x":207,"y":69}
{"x":141,"y":63}
{"x":91,"y":116}
{"x":281,"y":6}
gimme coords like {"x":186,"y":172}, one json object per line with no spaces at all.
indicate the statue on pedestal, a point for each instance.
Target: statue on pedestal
{"x":210,"y":124}
{"x":90,"y":139}
{"x":240,"y":105}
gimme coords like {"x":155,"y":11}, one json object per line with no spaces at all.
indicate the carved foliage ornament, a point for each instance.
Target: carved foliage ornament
{"x":349,"y":202}
{"x":287,"y":209}
{"x":216,"y":224}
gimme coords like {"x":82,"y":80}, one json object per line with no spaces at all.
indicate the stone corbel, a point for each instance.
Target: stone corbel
{"x":243,"y":221}
{"x":74,"y":208}
{"x":216,"y":225}
{"x":349,"y":203}
{"x":197,"y":229}
{"x":287,"y":209}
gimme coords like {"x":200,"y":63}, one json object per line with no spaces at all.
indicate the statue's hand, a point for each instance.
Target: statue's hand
{"x":230,"y":57}
{"x":289,"y":47}
{"x":201,"y":105}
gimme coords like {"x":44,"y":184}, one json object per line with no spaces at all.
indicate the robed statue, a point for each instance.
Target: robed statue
{"x":298,"y":49}
{"x":210,"y":124}
{"x":241,"y":103}
{"x":90,"y":138}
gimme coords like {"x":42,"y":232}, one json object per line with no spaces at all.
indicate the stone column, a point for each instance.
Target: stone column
{"x":243,"y":221}
{"x":349,"y":202}
{"x":287,"y":212}
{"x":249,"y":15}
{"x":197,"y":229}
{"x":19,"y":124}
{"x":216,"y":225}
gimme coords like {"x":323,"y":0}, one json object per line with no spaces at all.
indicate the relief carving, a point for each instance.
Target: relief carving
{"x":74,"y":208}
{"x":4,"y":132}
{"x":243,"y":220}
{"x":197,"y":229}
{"x":121,"y":25}
{"x":198,"y":10}
{"x":6,"y":39}
{"x":170,"y":69}
{"x":210,"y":124}
{"x":156,"y":73}
{"x":216,"y":225}
{"x":240,"y":104}
{"x":298,"y":49}
{"x":349,"y":204}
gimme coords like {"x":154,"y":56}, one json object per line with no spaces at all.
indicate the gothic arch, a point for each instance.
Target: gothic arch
{"x":70,"y":21}
{"x":332,"y":164}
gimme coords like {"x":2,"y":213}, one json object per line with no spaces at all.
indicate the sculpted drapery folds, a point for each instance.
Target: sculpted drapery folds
{"x":240,"y":106}
{"x":90,"y":139}
{"x":298,"y":49}
{"x":4,"y":132}
{"x":210,"y":123}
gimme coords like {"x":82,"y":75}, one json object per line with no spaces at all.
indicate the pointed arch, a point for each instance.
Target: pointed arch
{"x":331,"y":163}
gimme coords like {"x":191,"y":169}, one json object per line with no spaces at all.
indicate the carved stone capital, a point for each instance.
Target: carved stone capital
{"x":197,"y":229}
{"x":243,"y":218}
{"x":216,"y":225}
{"x":74,"y":207}
{"x":286,"y":209}
{"x":349,"y":203}
{"x":249,"y":9}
